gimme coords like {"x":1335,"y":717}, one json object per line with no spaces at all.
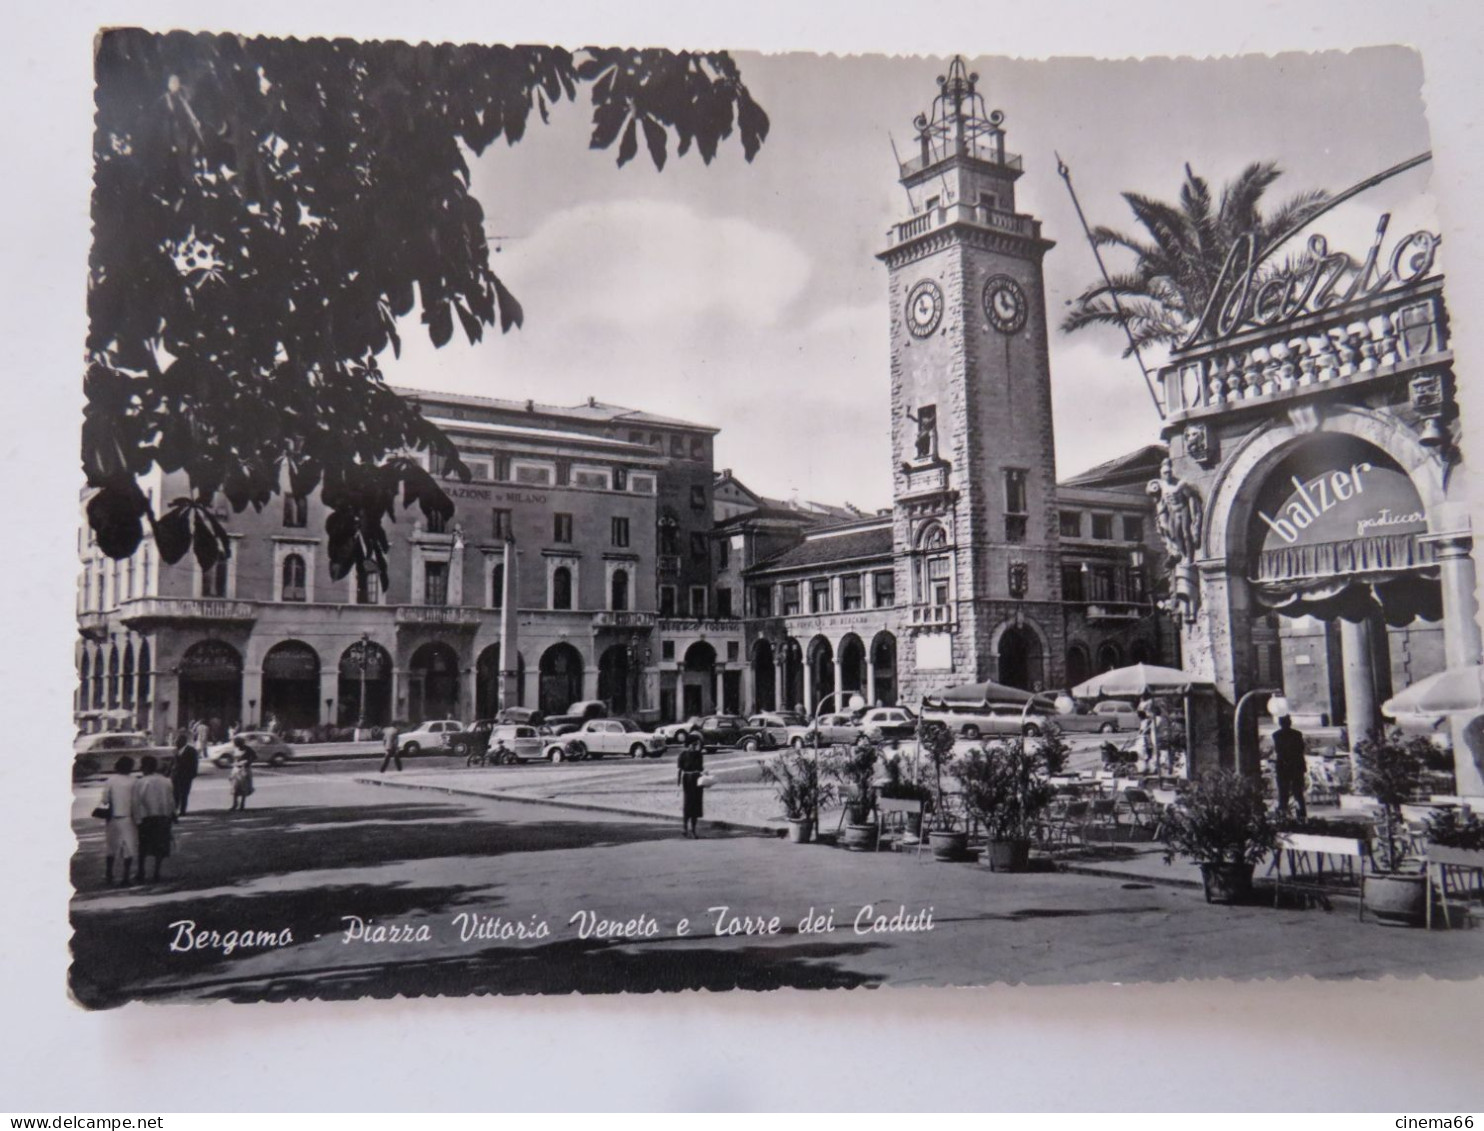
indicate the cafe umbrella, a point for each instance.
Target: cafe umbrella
{"x":1453,"y":691}
{"x":1141,"y":680}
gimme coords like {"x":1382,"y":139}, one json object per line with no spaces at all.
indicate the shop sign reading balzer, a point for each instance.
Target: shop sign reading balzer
{"x":1340,"y":526}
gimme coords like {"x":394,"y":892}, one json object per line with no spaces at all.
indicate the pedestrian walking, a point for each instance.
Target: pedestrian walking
{"x":391,"y":742}
{"x":120,"y":830}
{"x":241,"y":776}
{"x":688,"y":770}
{"x":200,"y":736}
{"x":154,"y":807}
{"x":1292,"y":766}
{"x":183,"y":772}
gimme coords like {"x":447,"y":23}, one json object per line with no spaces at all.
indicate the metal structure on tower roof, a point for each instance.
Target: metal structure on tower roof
{"x":959,"y":124}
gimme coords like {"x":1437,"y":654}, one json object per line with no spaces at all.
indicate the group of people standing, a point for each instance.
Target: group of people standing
{"x":139,"y":813}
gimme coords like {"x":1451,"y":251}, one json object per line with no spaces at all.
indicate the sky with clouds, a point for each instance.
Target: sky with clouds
{"x":748,"y":296}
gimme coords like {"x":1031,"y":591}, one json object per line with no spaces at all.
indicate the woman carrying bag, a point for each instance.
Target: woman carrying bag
{"x":121,"y":829}
{"x":692,"y":778}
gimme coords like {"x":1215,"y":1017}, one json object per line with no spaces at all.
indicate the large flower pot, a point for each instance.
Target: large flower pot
{"x":1396,"y":900}
{"x":1227,"y":883}
{"x":800,"y":830}
{"x":1007,"y":855}
{"x":948,"y":844}
{"x":860,"y":837}
{"x":914,"y":827}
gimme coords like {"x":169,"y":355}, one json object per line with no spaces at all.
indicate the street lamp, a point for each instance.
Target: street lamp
{"x":856,"y":704}
{"x":361,"y":658}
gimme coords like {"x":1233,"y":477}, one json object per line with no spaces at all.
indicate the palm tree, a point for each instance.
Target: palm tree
{"x":1179,"y":266}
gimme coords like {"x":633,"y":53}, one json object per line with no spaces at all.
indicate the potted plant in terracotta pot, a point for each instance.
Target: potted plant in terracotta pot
{"x":1389,"y":768}
{"x":1222,"y":822}
{"x":1006,"y":789}
{"x":795,"y":779}
{"x":854,"y":768}
{"x":948,"y":841}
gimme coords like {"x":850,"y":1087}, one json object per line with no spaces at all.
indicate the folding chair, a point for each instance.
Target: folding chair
{"x":1065,"y":820}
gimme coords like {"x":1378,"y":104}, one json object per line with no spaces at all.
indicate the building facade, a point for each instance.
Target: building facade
{"x":600,"y":514}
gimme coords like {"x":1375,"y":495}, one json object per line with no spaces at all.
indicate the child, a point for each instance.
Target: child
{"x":241,"y":776}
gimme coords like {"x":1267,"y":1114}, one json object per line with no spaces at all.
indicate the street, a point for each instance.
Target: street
{"x":333,"y":887}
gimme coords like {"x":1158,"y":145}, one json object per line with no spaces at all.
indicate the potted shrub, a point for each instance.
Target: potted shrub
{"x":1006,"y":789}
{"x":948,"y":842}
{"x":894,"y":785}
{"x":854,"y":768}
{"x":1453,"y":838}
{"x":795,"y":780}
{"x":1389,"y":767}
{"x":1053,"y":749}
{"x":1222,"y":822}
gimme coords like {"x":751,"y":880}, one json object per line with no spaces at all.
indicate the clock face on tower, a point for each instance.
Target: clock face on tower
{"x":1004,"y":304}
{"x":924,"y":308}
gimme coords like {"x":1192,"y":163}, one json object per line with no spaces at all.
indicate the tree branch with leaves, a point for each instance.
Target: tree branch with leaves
{"x":265,"y":212}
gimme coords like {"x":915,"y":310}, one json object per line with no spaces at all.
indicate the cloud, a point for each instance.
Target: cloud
{"x":647,"y":262}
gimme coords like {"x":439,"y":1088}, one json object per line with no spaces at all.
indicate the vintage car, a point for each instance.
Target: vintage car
{"x":1108,"y":717}
{"x":96,"y":753}
{"x":828,"y":730}
{"x":618,"y":736}
{"x":506,"y":744}
{"x":679,"y":732}
{"x":473,"y":739}
{"x":576,"y":714}
{"x":779,"y":725}
{"x":888,"y":724}
{"x":732,"y":730}
{"x":267,"y":748}
{"x":431,"y":735}
{"x":973,"y":720}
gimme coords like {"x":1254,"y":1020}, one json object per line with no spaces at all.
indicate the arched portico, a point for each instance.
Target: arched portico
{"x":1019,"y":647}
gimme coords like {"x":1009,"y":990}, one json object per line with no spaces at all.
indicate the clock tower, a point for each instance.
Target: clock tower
{"x":975,"y":525}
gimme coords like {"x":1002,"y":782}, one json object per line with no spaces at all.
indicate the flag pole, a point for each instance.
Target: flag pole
{"x":1066,"y":175}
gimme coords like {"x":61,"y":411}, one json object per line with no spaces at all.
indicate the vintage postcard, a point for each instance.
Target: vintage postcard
{"x":622,"y":520}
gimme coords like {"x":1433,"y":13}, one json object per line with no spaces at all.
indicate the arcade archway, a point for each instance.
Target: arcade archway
{"x":853,"y":667}
{"x":765,"y":678}
{"x":698,"y":680}
{"x":373,"y":680}
{"x":210,"y":674}
{"x":561,"y":679}
{"x":884,"y":670}
{"x":433,"y":683}
{"x":487,"y":682}
{"x":1019,"y":654}
{"x":291,"y":685}
{"x":616,"y":675}
{"x":820,"y":675}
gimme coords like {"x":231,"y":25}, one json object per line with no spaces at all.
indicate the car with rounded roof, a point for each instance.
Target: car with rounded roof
{"x":779,"y":725}
{"x":679,"y":732}
{"x":268,"y":748}
{"x":430,"y":735}
{"x":618,"y":736}
{"x":96,"y":753}
{"x":888,"y":724}
{"x":508,"y":743}
{"x":836,"y":728}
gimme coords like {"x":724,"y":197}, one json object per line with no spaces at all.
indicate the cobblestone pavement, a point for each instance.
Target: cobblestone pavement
{"x":451,"y":880}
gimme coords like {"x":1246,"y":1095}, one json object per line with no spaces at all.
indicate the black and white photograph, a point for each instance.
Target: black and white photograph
{"x":560,"y":519}
{"x":785,"y":522}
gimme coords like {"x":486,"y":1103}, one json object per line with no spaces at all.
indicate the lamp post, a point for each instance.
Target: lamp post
{"x":856,"y":703}
{"x":361,"y":659}
{"x":1276,"y":703}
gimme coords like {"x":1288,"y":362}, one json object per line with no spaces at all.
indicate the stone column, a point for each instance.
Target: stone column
{"x":719,"y":679}
{"x":509,"y":630}
{"x":748,"y":706}
{"x":808,"y":687}
{"x":841,"y":699}
{"x":869,"y":691}
{"x":1461,"y":646}
{"x":468,"y":693}
{"x":252,"y":698}
{"x":780,"y":685}
{"x":1360,"y":679}
{"x":329,"y":689}
{"x":1461,"y":641}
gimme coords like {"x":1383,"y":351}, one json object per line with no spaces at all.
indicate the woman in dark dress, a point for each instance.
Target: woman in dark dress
{"x":688,"y":774}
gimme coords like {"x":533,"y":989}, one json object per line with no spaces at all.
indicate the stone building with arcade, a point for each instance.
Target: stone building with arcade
{"x":600,"y":514}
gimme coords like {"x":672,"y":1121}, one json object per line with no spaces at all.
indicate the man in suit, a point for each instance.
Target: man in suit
{"x":1291,"y":765}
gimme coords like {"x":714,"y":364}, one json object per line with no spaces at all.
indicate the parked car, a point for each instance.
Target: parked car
{"x":679,"y":732}
{"x":618,"y":736}
{"x":1108,"y":717}
{"x":568,"y":747}
{"x":428,"y":736}
{"x":733,"y":730}
{"x":888,"y":724}
{"x":973,"y":720}
{"x":267,"y":747}
{"x":577,"y":714}
{"x":506,"y":744}
{"x":840,"y":727}
{"x":96,"y":753}
{"x":524,"y":716}
{"x":779,"y":725}
{"x":473,"y":739}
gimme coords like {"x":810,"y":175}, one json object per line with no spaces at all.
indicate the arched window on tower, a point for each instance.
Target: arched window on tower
{"x":933,"y":568}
